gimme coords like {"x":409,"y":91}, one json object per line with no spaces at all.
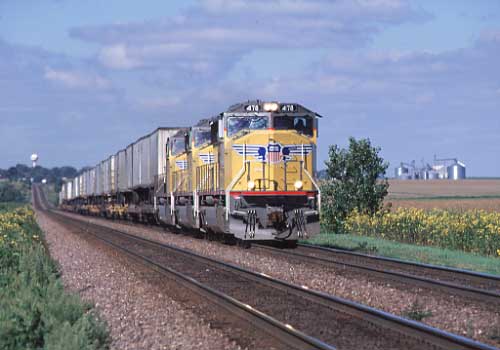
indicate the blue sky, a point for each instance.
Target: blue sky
{"x":82,"y":79}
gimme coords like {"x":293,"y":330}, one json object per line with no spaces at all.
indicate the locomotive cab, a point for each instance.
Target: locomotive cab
{"x":269,"y":166}
{"x":179,"y":179}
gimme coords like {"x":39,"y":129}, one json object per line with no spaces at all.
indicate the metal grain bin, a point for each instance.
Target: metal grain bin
{"x":121,"y":170}
{"x":400,"y":171}
{"x":456,"y":171}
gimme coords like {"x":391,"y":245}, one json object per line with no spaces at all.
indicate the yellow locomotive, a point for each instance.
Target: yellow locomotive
{"x":248,"y":173}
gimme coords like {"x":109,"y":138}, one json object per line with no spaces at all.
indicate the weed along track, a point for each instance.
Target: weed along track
{"x":325,"y":319}
{"x":478,"y":286}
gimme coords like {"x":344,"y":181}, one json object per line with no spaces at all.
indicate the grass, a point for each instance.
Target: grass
{"x":8,"y":206}
{"x":36,"y":311}
{"x":51,"y":194}
{"x":440,"y":198}
{"x":410,"y":252}
{"x":417,"y":312}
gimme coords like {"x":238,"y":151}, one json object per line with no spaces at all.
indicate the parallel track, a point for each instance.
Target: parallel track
{"x":318,"y":314}
{"x":479,"y":286}
{"x":284,"y":334}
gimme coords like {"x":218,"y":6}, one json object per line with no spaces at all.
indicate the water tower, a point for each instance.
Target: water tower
{"x":34,"y":159}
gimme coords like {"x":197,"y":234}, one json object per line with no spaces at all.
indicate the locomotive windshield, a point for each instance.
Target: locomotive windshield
{"x":302,"y":124}
{"x":236,"y":124}
{"x":201,"y":136}
{"x":178,"y":145}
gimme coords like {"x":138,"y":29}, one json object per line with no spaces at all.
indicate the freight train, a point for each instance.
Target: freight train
{"x":247,"y":173}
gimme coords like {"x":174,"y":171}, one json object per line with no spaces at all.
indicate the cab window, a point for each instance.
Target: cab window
{"x":178,"y":145}
{"x":236,"y":124}
{"x":201,"y":137}
{"x":302,"y":124}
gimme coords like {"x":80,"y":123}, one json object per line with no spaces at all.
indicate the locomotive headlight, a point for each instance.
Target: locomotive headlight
{"x":251,"y":185}
{"x":298,"y":184}
{"x":270,"y":106}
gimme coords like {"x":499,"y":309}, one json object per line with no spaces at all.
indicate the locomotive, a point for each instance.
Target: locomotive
{"x":247,"y":173}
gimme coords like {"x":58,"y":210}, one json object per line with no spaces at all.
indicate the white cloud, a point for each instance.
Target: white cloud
{"x":160,"y":102}
{"x":76,"y":79}
{"x":117,"y":57}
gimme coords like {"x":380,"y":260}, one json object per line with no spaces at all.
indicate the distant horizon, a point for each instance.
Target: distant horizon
{"x":390,"y":177}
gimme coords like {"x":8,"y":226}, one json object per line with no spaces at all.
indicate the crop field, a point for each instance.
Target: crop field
{"x":452,"y":223}
{"x":444,"y":194}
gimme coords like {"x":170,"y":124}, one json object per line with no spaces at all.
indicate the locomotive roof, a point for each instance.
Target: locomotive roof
{"x":284,"y":107}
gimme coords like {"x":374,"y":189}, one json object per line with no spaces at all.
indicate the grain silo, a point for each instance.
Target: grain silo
{"x":456,"y":171}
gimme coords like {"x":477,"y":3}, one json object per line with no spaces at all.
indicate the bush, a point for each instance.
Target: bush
{"x":13,"y":192}
{"x":354,"y":181}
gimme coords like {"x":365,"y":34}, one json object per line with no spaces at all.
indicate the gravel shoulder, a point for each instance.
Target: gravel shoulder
{"x":140,"y":314}
{"x":448,"y":312}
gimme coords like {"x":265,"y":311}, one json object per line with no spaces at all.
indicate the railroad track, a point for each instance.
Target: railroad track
{"x":284,"y":334}
{"x":479,"y":286}
{"x":287,"y":311}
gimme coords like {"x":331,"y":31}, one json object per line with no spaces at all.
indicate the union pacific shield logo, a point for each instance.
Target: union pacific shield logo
{"x":207,"y":158}
{"x":273,"y":152}
{"x":181,"y":164}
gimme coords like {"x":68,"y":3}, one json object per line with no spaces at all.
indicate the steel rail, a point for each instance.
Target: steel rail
{"x":466,"y":273}
{"x":405,"y":327}
{"x":452,"y":288}
{"x":286,"y":334}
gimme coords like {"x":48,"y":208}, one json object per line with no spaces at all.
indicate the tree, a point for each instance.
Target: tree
{"x":355,"y":180}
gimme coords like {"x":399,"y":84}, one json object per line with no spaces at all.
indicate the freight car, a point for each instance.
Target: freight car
{"x":246,"y":173}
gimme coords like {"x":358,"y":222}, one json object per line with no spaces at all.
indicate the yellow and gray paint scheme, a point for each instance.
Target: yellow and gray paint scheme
{"x":248,"y":172}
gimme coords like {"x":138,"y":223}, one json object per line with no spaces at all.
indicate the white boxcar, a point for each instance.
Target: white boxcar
{"x":86,"y":179}
{"x":129,"y":165}
{"x":149,"y":157}
{"x":63,"y":195}
{"x":99,"y":177}
{"x":81,"y":183}
{"x":121,"y":171}
{"x":112,"y":174}
{"x":108,"y":172}
{"x":69,"y":190}
{"x":92,"y":181}
{"x":86,"y":183}
{"x":105,"y":176}
{"x":76,"y":187}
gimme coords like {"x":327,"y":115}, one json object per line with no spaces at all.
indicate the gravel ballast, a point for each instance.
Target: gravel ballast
{"x":140,"y":315}
{"x":447,"y":312}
